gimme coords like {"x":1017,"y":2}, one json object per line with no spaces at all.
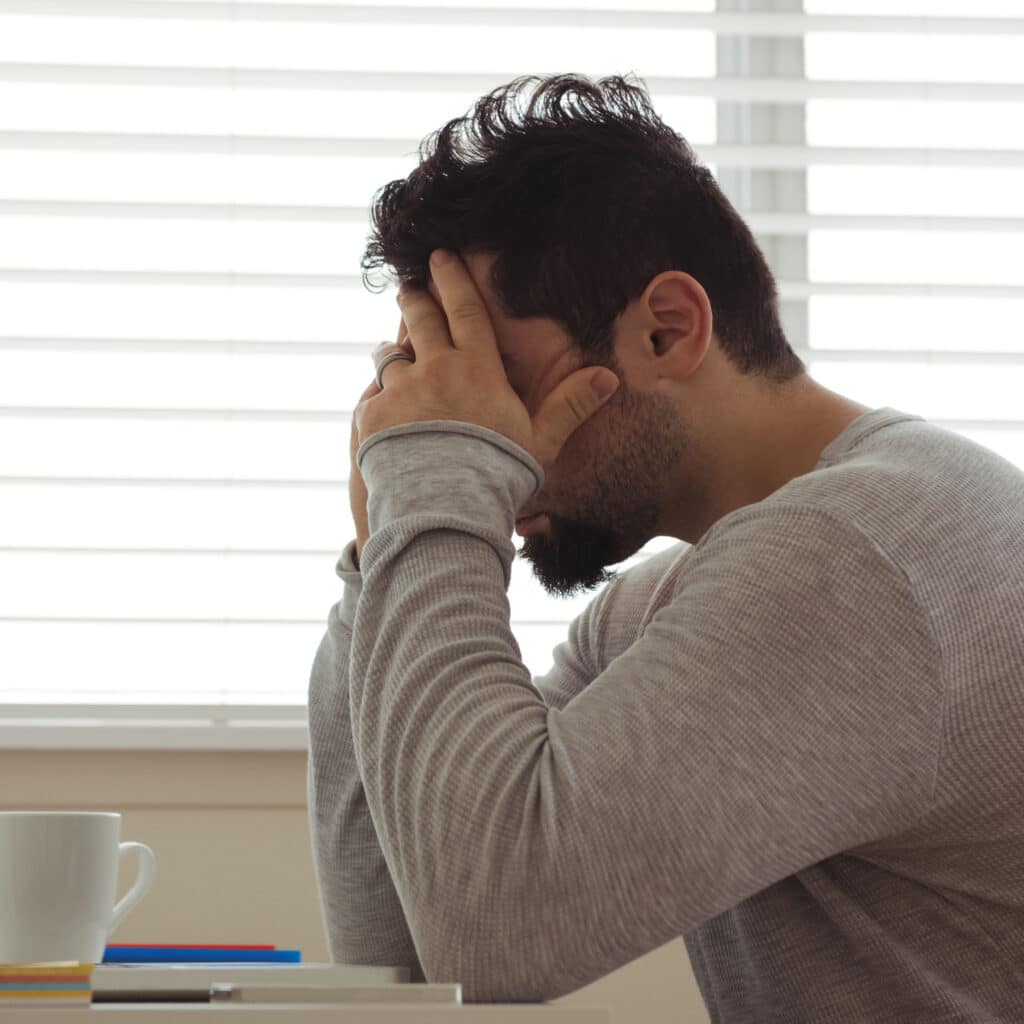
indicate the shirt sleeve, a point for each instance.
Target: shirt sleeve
{"x":361,"y":910}
{"x":782,"y":705}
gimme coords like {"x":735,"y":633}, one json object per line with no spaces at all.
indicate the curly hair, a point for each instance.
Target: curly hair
{"x":584,"y":197}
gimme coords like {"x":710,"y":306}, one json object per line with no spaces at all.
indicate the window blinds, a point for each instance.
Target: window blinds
{"x":184,"y":331}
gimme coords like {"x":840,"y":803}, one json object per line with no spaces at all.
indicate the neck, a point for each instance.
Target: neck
{"x":760,"y":438}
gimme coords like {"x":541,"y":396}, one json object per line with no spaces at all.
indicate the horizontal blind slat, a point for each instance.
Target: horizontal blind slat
{"x":1008,"y":423}
{"x":1000,"y":357}
{"x":218,"y":483}
{"x":1000,"y":424}
{"x":163,"y":736}
{"x":152,"y":413}
{"x":736,"y":90}
{"x":926,"y":356}
{"x":181,"y":211}
{"x":298,"y":79}
{"x":807,"y":290}
{"x":213,"y":346}
{"x":787,"y":289}
{"x":801,"y":224}
{"x":766,"y":223}
{"x":235,"y":620}
{"x":213,"y":712}
{"x":768,"y":24}
{"x":777,"y":157}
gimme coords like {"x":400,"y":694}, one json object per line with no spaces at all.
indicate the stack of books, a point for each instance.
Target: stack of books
{"x":212,"y":974}
{"x":54,"y":984}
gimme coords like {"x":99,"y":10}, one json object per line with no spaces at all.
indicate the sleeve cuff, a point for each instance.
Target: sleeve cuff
{"x":446,"y":467}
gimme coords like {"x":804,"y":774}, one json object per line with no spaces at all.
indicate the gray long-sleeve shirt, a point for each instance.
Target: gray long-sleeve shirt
{"x":797,"y":743}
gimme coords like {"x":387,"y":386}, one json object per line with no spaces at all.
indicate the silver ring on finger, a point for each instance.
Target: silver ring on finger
{"x":390,"y":358}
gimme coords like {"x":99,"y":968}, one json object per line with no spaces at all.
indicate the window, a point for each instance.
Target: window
{"x":184,"y":333}
{"x":922,"y":252}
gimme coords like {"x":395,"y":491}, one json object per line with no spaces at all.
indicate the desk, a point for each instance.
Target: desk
{"x":309,"y":1013}
{"x":199,"y":977}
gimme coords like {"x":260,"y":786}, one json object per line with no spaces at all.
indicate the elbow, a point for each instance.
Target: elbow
{"x":496,"y":964}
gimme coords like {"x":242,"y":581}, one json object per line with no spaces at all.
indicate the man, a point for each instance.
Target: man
{"x":793,"y":739}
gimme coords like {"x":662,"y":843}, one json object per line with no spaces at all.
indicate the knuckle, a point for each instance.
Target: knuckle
{"x":466,"y":310}
{"x":577,"y":408}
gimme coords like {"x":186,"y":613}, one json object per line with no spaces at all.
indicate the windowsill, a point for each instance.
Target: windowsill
{"x":127,"y":735}
{"x":153,"y":727}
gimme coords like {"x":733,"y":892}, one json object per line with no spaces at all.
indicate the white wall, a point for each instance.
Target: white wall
{"x":230,"y":834}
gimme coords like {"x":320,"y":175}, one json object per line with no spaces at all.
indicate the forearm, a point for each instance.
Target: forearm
{"x":363,"y":915}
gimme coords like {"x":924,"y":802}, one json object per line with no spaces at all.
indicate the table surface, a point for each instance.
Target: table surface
{"x":381,"y":979}
{"x":311,"y":1013}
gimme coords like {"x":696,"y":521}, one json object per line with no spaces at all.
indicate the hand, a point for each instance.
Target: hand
{"x":458,"y":374}
{"x":357,"y":493}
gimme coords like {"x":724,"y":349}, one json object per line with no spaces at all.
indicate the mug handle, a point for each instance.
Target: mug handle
{"x":144,"y":882}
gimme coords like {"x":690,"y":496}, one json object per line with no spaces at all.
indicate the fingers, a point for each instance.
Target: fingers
{"x":403,"y":339}
{"x":372,"y":389}
{"x":403,"y":331}
{"x":464,"y":307}
{"x":424,"y":318}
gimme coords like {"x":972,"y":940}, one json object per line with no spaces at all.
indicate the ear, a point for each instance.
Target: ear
{"x":679,"y":320}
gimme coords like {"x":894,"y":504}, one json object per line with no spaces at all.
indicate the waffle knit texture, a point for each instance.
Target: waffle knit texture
{"x":797,"y":743}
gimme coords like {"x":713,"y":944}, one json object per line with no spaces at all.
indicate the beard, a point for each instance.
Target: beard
{"x":617,"y":504}
{"x":569,"y":557}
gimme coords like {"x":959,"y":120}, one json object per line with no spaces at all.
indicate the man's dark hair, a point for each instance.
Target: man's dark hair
{"x":584,"y":198}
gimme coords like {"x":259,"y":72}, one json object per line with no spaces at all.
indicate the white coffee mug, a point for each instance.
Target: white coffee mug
{"x":58,"y":880}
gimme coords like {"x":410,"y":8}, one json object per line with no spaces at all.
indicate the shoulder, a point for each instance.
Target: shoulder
{"x":793,"y":537}
{"x":775,"y":564}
